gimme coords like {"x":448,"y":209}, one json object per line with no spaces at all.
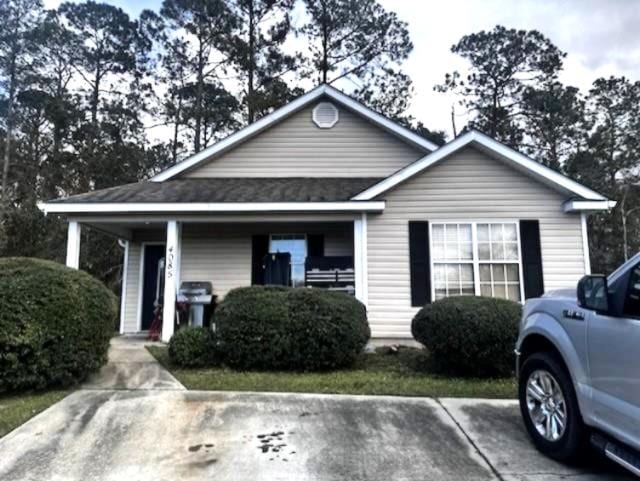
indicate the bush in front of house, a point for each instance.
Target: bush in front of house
{"x":268,"y":327}
{"x":55,"y":324}
{"x":469,"y":336}
{"x":194,"y":347}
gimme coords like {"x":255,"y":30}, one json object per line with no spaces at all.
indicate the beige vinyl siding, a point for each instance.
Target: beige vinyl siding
{"x":132,"y":293}
{"x":220,"y":257}
{"x":469,"y":186}
{"x":296,"y":147}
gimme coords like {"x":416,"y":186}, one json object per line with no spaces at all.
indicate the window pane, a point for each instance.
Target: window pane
{"x":466,"y":273}
{"x":512,"y":273}
{"x":485,"y":290}
{"x":485,"y":273}
{"x":439,"y":276}
{"x":438,"y":251}
{"x":496,"y":232}
{"x":453,"y":274}
{"x":440,"y":294}
{"x":296,"y":245}
{"x":466,"y":251}
{"x":484,"y":251}
{"x":499,"y":291}
{"x":511,"y":251}
{"x":465,"y":232}
{"x":468,"y":290}
{"x":451,"y":233}
{"x":498,"y":273}
{"x":483,"y":232}
{"x":510,"y":232}
{"x":497,"y":252}
{"x":297,"y":275}
{"x":438,"y":233}
{"x":452,"y":252}
{"x":514,"y":292}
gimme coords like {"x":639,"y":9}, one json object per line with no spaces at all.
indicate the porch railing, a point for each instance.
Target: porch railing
{"x":332,"y":272}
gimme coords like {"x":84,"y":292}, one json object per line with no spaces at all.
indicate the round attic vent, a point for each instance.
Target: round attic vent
{"x":325,"y":115}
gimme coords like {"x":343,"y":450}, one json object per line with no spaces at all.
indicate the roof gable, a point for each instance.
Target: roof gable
{"x":281,"y":114}
{"x":495,"y":149}
{"x":296,"y":146}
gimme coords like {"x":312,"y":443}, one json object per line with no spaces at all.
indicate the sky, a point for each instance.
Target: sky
{"x":600,"y":38}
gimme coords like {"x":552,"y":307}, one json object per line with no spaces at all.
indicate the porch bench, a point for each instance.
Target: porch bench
{"x":333,"y":273}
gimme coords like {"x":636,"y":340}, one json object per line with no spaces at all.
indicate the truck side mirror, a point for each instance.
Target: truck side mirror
{"x":593,"y":293}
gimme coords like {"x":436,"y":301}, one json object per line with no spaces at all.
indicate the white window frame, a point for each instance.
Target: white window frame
{"x":476,"y":260}
{"x":297,"y":236}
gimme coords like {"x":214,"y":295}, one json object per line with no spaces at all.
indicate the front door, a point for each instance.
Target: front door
{"x":153,"y":254}
{"x":614,"y":360}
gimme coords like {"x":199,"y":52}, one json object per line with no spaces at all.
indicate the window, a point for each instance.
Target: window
{"x":632,"y":302}
{"x":476,"y":259}
{"x":296,"y":245}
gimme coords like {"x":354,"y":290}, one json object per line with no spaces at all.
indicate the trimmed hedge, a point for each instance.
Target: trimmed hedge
{"x":55,"y":324}
{"x":194,"y":347}
{"x":469,"y":336}
{"x":269,"y":327}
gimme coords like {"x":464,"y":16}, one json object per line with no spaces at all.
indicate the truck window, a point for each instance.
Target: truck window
{"x":632,"y":301}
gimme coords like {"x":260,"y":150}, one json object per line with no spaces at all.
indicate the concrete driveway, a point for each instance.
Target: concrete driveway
{"x":145,"y":426}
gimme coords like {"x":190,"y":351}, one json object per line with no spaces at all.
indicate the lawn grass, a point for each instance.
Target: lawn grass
{"x":404,"y":373}
{"x":17,"y":409}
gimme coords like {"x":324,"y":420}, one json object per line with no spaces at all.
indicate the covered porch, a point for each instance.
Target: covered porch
{"x":324,"y":249}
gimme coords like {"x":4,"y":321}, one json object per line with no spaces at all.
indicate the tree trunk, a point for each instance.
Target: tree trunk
{"x":251,"y":66}
{"x":9,"y":133}
{"x":325,"y":44}
{"x":199,"y":94}
{"x":176,"y":131}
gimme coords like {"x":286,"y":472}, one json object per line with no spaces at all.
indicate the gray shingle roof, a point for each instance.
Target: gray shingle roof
{"x":290,"y":189}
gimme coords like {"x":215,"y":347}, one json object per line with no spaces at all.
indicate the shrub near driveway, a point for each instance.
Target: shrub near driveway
{"x":55,"y":324}
{"x":470,"y":336}
{"x":263,"y":327}
{"x":194,"y":347}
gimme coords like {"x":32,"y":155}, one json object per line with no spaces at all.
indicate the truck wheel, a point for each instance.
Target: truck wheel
{"x":549,"y":407}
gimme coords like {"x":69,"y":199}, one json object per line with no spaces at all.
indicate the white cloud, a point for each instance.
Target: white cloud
{"x":599,"y":36}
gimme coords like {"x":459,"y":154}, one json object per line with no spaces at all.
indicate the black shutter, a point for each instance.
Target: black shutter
{"x":315,"y":245}
{"x":259,"y":249}
{"x":531,"y":258}
{"x":419,"y":263}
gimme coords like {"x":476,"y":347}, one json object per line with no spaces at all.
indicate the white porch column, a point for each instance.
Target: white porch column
{"x":171,"y":278}
{"x":360,"y":258}
{"x":73,"y":245}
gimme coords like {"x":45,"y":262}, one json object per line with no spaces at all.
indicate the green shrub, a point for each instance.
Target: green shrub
{"x":469,"y":336}
{"x":194,"y":347}
{"x":55,"y":324}
{"x":285,"y":328}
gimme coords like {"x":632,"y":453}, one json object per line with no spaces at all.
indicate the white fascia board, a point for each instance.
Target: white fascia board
{"x":492,"y":146}
{"x":220,"y":207}
{"x":287,"y":110}
{"x":588,"y":205}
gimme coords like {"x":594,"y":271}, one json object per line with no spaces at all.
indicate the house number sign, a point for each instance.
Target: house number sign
{"x":170,"y":256}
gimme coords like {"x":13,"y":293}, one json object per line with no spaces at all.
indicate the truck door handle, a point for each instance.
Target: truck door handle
{"x":572,"y":314}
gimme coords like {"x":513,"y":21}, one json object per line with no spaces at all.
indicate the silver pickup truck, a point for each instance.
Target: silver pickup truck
{"x":578,"y":366}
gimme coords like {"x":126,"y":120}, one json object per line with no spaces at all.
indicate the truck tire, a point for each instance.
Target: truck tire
{"x":549,"y":407}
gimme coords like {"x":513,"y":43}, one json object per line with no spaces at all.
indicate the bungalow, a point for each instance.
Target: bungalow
{"x":343,"y":191}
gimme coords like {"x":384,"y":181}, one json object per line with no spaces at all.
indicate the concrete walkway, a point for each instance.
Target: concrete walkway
{"x":136,"y":422}
{"x":131,"y":367}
